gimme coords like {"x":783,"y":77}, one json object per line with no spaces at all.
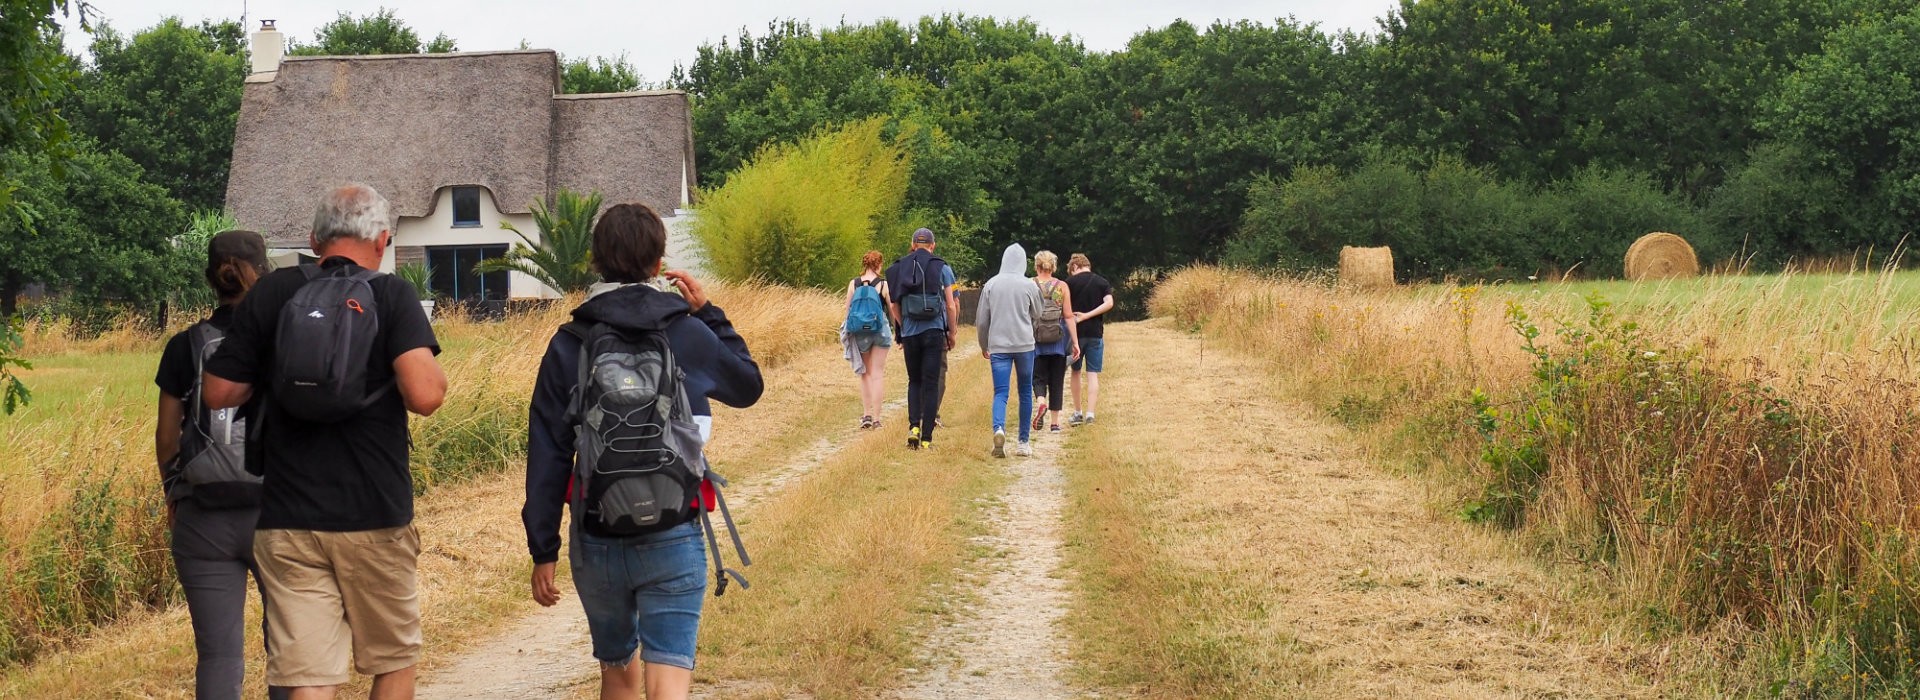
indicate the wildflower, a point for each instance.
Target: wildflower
{"x":1651,"y":354}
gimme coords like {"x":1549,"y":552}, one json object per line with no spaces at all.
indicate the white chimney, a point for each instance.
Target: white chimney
{"x":268,"y":47}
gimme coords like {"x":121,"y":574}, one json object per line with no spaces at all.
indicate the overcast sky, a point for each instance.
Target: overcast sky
{"x":657,"y":35}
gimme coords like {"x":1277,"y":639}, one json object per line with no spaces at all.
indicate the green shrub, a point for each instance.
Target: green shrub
{"x":1586,"y":223}
{"x":802,"y":214}
{"x":1779,"y":206}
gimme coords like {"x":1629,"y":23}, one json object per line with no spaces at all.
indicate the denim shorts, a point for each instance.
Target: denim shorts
{"x":642,"y":594}
{"x":1093,"y":353}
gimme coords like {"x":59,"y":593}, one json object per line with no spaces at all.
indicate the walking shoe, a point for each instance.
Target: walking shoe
{"x":1054,"y":429}
{"x":866,"y":422}
{"x":1075,"y":420}
{"x":1024,"y":449}
{"x":913,"y":438}
{"x":1000,"y":444}
{"x":1039,"y":414}
{"x":1086,"y":419}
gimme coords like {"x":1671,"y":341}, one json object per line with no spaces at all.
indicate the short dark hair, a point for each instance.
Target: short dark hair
{"x":628,"y":242}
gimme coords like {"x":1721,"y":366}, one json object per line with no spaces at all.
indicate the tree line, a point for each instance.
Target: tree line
{"x":1507,"y":137}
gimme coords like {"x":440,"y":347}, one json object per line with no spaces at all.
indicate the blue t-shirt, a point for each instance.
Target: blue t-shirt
{"x":911,"y":327}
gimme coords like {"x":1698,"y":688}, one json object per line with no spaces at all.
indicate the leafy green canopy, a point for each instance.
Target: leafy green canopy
{"x":168,"y":98}
{"x":382,"y":32}
{"x":584,"y":76}
{"x":804,"y":213}
{"x":563,"y":257}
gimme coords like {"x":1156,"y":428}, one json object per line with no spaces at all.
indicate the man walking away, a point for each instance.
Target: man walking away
{"x":335,"y":543}
{"x":920,"y":292}
{"x":1009,"y":303}
{"x":1092,"y":293}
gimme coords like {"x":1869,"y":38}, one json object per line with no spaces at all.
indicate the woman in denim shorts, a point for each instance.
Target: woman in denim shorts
{"x":642,"y":594}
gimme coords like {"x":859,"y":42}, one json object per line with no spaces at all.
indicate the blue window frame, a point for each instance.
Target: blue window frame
{"x":466,"y":207}
{"x":451,"y":275}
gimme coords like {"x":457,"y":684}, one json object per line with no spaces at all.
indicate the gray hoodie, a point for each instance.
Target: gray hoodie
{"x":1008,"y":305}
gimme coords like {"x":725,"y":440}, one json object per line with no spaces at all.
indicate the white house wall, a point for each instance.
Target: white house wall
{"x":437,"y":229}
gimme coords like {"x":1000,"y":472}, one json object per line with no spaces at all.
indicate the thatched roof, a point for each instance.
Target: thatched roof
{"x":412,"y":124}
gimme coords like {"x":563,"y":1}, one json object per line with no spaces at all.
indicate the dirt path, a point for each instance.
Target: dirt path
{"x":1007,"y":643}
{"x":546,"y":654}
{"x":1305,"y":569}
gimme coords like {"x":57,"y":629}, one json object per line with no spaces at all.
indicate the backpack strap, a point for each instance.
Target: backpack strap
{"x":720,"y":571}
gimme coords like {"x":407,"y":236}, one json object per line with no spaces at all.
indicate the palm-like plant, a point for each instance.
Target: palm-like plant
{"x":563,"y":259}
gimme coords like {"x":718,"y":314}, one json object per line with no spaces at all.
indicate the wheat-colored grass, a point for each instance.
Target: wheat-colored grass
{"x":1738,"y":474}
{"x":89,"y":433}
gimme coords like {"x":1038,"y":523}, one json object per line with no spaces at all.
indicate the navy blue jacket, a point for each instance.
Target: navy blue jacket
{"x":705,"y":346}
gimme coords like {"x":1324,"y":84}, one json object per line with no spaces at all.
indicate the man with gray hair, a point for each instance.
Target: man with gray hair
{"x":337,"y":550}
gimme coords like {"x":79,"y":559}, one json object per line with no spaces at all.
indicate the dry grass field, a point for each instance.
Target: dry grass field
{"x":82,"y":537}
{"x":1733,"y":455}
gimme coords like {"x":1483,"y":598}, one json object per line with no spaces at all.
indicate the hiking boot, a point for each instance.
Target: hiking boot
{"x":1024,"y":449}
{"x":1039,"y":414}
{"x":913,"y":438}
{"x":1000,"y":444}
{"x":1075,"y":420}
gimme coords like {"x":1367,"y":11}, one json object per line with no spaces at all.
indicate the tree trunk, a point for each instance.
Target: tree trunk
{"x":9,"y":294}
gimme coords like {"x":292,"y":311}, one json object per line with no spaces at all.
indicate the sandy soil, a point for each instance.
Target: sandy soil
{"x":1006,"y":643}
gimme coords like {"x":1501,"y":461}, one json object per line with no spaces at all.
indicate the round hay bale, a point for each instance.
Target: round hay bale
{"x":1366,"y":267}
{"x":1658,"y":256}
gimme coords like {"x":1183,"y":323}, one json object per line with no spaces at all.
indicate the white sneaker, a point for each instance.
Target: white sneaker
{"x":1000,"y":443}
{"x":1024,"y":449}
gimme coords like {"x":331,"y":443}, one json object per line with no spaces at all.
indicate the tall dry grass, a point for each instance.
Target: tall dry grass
{"x":1738,"y":457}
{"x":82,"y":528}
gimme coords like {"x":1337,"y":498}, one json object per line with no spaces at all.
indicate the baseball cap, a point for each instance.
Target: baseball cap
{"x":246,"y":246}
{"x":923,"y":236}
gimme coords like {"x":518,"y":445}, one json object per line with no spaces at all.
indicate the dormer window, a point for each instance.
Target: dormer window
{"x":466,"y":207}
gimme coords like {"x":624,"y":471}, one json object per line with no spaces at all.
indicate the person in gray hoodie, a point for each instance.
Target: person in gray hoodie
{"x":1009,"y":303}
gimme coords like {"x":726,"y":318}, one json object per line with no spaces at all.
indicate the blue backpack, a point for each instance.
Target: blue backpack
{"x":865,"y":315}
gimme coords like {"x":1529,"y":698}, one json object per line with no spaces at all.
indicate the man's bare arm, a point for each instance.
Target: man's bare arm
{"x":422,"y":384}
{"x":219,"y":393}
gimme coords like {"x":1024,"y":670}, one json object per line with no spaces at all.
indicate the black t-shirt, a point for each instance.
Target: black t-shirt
{"x":177,"y":374}
{"x":1089,"y":291}
{"x":338,"y":477}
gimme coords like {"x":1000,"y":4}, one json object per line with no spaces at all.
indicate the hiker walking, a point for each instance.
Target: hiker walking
{"x":920,"y":292}
{"x":1009,"y":304}
{"x":866,"y":335}
{"x":336,"y":546}
{"x":1056,"y":340}
{"x":213,"y":502}
{"x":1093,"y":296}
{"x":632,"y":377}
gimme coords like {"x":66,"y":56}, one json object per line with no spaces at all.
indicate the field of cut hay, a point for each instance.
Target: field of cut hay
{"x":82,"y":528}
{"x":1735,"y":453}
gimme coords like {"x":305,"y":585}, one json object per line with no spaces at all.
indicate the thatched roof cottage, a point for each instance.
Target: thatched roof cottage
{"x":458,"y":143}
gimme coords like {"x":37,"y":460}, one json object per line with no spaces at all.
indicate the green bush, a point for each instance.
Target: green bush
{"x":802,"y":214}
{"x":1778,"y":206}
{"x":1454,"y":219}
{"x":1586,"y":223}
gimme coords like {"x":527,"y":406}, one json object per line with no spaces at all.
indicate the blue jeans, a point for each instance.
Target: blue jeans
{"x":642,"y":593}
{"x":1021,"y":363}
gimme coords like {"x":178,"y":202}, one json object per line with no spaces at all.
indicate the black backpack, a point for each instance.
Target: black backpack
{"x":212,"y":460}
{"x":640,"y":465}
{"x":324,"y":344}
{"x":916,"y":273}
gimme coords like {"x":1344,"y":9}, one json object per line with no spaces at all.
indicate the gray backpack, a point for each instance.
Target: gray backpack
{"x":212,"y":465}
{"x":1047,"y":328}
{"x":640,"y":465}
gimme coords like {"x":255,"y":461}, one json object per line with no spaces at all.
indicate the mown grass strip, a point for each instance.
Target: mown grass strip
{"x":846,"y":560}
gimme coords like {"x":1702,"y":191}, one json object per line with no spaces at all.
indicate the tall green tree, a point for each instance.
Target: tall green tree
{"x":583,"y":76}
{"x":563,"y":257}
{"x":35,"y":75}
{"x":96,"y":229}
{"x":382,"y":32}
{"x":1854,"y":111}
{"x":168,"y":98}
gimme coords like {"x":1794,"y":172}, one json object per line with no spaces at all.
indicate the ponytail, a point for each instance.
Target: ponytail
{"x":232,"y":277}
